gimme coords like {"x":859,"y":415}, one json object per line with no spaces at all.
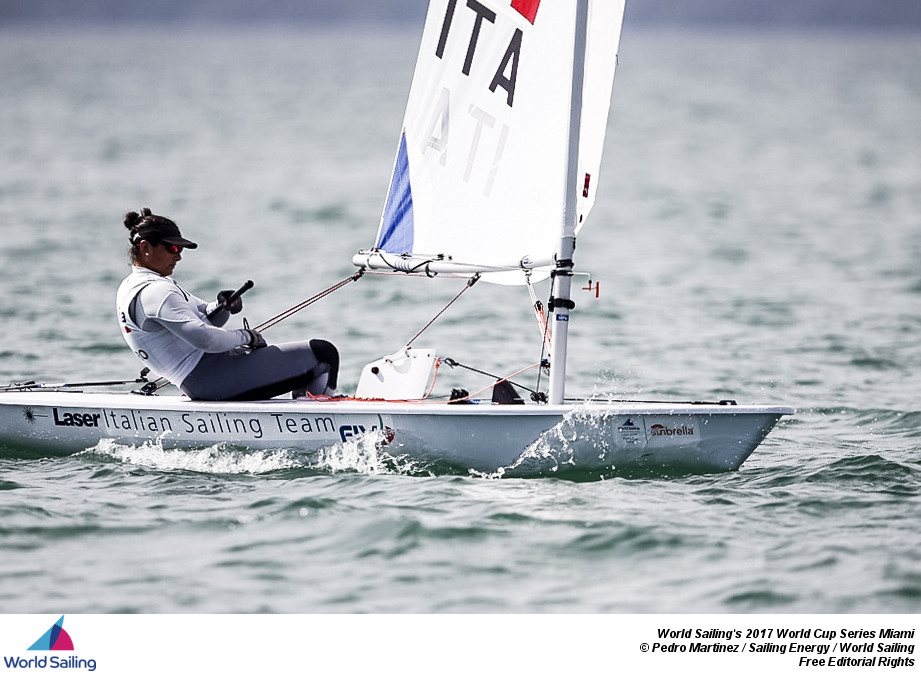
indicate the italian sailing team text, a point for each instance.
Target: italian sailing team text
{"x":204,"y":423}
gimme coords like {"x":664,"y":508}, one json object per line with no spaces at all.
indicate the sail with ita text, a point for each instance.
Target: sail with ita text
{"x":481,"y":180}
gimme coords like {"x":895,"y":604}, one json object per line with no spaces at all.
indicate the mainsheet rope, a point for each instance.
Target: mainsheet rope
{"x":275,"y":320}
{"x":470,"y":283}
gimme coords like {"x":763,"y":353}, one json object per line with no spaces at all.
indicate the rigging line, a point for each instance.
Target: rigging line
{"x":434,"y":379}
{"x":422,"y":264}
{"x":306,"y":303}
{"x":538,"y":313}
{"x":507,"y":378}
{"x":425,"y":399}
{"x":29,"y":386}
{"x":543,"y":325}
{"x":469,"y":284}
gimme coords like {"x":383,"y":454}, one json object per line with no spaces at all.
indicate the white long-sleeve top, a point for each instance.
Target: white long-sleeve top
{"x":167,"y":327}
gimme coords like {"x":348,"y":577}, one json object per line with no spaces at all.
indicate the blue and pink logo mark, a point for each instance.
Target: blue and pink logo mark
{"x":55,"y":639}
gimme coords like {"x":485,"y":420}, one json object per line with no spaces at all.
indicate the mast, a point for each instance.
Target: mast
{"x":561,"y":302}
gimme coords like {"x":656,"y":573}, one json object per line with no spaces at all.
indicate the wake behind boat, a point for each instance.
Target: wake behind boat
{"x":496,"y":173}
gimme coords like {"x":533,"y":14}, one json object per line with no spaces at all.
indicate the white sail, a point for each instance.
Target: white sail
{"x":480,"y":175}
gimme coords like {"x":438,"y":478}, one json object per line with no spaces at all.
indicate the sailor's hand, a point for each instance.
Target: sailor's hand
{"x":234,"y":307}
{"x":256,"y":341}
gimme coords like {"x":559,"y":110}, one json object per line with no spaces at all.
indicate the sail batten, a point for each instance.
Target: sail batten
{"x":481,"y":169}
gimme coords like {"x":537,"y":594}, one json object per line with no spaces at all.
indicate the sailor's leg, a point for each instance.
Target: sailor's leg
{"x":260,"y":374}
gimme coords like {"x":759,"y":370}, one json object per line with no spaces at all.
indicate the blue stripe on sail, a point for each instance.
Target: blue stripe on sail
{"x":396,"y":235}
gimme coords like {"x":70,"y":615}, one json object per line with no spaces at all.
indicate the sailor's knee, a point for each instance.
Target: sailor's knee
{"x":325,"y":351}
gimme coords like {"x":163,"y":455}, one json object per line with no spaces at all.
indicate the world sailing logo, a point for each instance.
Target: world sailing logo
{"x":55,"y":639}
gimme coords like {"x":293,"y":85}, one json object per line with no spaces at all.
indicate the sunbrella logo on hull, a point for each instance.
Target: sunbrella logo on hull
{"x":662,"y":430}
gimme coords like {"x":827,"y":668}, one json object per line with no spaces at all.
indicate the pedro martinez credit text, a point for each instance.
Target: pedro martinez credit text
{"x":880,"y":647}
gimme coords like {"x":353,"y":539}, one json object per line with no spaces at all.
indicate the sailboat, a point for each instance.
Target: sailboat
{"x":495,"y":174}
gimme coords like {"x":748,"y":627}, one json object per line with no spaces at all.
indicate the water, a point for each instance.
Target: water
{"x":756,"y":238}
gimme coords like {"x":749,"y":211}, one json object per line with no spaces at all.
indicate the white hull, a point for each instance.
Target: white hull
{"x":482,"y":437}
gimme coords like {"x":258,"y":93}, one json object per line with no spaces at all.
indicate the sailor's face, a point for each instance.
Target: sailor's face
{"x":161,"y":258}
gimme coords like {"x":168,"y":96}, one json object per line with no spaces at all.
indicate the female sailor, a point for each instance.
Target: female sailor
{"x":181,"y":337}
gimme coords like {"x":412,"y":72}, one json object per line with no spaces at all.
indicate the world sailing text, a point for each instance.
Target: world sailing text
{"x":42,"y":662}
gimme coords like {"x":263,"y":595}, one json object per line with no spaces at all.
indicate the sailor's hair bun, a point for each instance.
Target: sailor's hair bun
{"x":133,"y":221}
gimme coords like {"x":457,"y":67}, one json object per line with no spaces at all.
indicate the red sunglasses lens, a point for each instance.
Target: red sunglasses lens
{"x":173,"y":248}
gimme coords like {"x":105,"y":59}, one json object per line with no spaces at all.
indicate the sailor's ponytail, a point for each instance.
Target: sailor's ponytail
{"x":133,"y":221}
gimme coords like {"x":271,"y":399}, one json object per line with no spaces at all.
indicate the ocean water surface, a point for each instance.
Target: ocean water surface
{"x":756,"y":237}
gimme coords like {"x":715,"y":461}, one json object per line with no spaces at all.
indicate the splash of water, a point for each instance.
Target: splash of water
{"x":216,"y":459}
{"x":574,"y":444}
{"x":367,"y":454}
